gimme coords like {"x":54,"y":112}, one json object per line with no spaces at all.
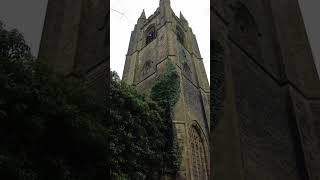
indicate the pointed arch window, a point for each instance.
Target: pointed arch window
{"x":151,"y":34}
{"x":245,"y":29}
{"x":187,"y":70}
{"x":198,"y":156}
{"x":146,"y":68}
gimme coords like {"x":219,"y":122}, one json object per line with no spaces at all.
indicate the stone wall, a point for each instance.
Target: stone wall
{"x":75,"y":37}
{"x":271,"y":92}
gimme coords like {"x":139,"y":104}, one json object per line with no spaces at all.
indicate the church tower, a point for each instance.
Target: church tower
{"x":161,"y":38}
{"x":266,"y":96}
{"x":75,"y":38}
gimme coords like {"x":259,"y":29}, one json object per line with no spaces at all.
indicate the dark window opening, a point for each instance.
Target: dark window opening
{"x":151,"y":34}
{"x":187,"y":70}
{"x":184,"y":54}
{"x":180,"y":35}
{"x":245,"y":29}
{"x":146,"y":68}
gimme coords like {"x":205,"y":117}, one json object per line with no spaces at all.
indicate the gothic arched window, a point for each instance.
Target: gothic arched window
{"x":180,"y":35}
{"x":151,"y":34}
{"x":186,"y":70}
{"x":198,"y":156}
{"x":245,"y":29}
{"x":146,"y":68}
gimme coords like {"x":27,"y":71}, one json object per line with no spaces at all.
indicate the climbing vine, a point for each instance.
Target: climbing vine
{"x":143,"y":145}
{"x":166,"y":93}
{"x":166,"y":90}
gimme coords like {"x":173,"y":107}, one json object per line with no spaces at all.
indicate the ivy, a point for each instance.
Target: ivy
{"x":166,"y":93}
{"x":141,"y":137}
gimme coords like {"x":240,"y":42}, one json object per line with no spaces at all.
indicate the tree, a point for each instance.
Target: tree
{"x":141,"y":142}
{"x":50,"y":128}
{"x":12,"y":45}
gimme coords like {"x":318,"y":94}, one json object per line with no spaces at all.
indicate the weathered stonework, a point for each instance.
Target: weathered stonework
{"x":75,"y":37}
{"x":145,"y":62}
{"x":267,"y":118}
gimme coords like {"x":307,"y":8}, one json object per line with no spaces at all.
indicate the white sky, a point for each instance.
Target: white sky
{"x":310,"y":12}
{"x":197,"y":13}
{"x":28,"y":16}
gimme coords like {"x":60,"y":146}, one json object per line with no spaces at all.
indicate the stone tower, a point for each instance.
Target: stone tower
{"x":75,"y":38}
{"x":161,"y":38}
{"x":266,"y":92}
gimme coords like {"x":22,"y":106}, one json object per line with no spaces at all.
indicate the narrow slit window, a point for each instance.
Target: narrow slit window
{"x":180,"y":35}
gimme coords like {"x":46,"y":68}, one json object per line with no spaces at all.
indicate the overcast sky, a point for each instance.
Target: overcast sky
{"x":311,"y":15}
{"x":125,"y":13}
{"x":28,"y":16}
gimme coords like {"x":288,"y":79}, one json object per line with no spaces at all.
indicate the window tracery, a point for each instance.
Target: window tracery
{"x":199,"y":164}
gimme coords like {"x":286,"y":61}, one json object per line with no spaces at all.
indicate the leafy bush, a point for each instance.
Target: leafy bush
{"x":141,"y":138}
{"x":50,"y":127}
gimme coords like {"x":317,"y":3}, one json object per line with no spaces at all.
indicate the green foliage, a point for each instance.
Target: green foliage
{"x":141,"y":143}
{"x":12,"y":45}
{"x":166,"y":93}
{"x":50,"y":127}
{"x":114,"y":76}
